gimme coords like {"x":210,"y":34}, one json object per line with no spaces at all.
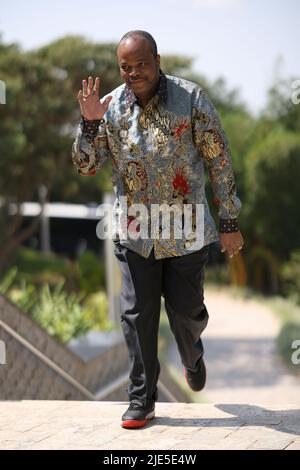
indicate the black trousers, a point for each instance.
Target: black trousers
{"x":144,"y":280}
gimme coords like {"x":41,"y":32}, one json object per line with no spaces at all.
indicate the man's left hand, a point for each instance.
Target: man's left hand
{"x":231,"y":242}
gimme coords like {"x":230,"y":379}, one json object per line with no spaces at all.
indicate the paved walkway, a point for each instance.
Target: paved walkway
{"x":240,"y":352}
{"x":96,"y":425}
{"x":250,"y":402}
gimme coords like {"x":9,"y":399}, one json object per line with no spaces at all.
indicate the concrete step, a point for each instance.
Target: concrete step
{"x":96,"y":425}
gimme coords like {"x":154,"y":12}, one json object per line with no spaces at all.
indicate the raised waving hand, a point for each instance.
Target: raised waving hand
{"x":89,"y":101}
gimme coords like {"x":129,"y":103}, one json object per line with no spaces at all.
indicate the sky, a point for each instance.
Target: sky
{"x":248,"y":42}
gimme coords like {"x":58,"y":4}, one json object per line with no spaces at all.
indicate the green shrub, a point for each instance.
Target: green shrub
{"x":86,"y":274}
{"x":34,"y":261}
{"x":22,"y":294}
{"x":91,"y":272}
{"x":8,"y":280}
{"x":59,"y":314}
{"x":290,"y":275}
{"x":41,"y":268}
{"x":62,"y":314}
{"x":289,"y":333}
{"x":96,"y":308}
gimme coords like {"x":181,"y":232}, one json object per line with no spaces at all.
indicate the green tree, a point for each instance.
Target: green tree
{"x":273,"y":192}
{"x":32,"y":141}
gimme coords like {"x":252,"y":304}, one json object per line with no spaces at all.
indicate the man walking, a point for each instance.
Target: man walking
{"x":160,"y":132}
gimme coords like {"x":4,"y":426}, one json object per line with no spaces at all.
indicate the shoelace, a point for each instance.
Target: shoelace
{"x":134,"y":406}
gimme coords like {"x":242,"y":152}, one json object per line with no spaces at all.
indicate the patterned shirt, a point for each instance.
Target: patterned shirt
{"x":159,"y":154}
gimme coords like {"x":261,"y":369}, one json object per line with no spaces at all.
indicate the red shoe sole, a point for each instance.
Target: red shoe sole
{"x":135,"y":423}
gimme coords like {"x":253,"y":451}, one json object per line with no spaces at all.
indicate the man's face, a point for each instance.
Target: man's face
{"x":138,"y":66}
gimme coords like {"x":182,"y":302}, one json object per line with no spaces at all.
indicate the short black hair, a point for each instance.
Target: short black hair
{"x":144,"y":34}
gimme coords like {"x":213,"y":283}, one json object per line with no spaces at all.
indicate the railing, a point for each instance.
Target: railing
{"x":100,"y":394}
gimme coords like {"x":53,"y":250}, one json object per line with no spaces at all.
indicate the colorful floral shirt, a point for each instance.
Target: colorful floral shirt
{"x":159,"y":154}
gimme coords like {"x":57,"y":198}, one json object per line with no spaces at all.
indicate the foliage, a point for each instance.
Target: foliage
{"x":63,"y":314}
{"x":91,"y":272}
{"x":272,"y":188}
{"x":96,"y":308}
{"x":37,"y":268}
{"x":289,"y":335}
{"x":87,"y":273}
{"x":59,"y":314}
{"x":290,"y":275}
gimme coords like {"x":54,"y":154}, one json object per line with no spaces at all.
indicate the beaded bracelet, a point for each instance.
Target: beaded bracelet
{"x":229,"y":225}
{"x":90,"y":127}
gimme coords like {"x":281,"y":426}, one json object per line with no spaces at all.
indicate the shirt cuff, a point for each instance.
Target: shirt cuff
{"x":229,"y":225}
{"x":90,"y":127}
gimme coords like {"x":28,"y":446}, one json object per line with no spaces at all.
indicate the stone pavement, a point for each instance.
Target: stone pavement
{"x":243,"y":365}
{"x":96,"y":425}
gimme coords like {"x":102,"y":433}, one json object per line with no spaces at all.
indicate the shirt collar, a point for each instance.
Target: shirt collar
{"x":161,"y":91}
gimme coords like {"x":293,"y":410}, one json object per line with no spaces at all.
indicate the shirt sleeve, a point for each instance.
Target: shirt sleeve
{"x":211,"y":141}
{"x":90,"y":148}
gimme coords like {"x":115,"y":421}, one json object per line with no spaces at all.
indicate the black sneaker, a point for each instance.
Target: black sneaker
{"x":137,"y":416}
{"x":196,"y":379}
